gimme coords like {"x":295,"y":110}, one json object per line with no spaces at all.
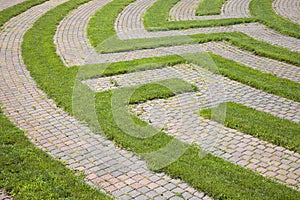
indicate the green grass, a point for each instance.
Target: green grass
{"x":259,"y":124}
{"x":263,"y":11}
{"x":10,"y":12}
{"x":29,"y":173}
{"x":220,"y":179}
{"x":156,"y":18}
{"x":210,"y":7}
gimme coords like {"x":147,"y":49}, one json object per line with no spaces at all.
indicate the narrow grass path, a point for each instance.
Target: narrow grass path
{"x":29,"y":173}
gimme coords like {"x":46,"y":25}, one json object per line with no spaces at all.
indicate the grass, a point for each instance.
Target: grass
{"x":103,"y":37}
{"x":259,"y":124}
{"x":29,"y":173}
{"x":209,"y":7}
{"x":221,"y":179}
{"x":156,"y":18}
{"x":262,"y":10}
{"x":10,"y":12}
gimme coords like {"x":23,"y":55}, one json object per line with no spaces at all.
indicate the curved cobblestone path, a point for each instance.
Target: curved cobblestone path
{"x":116,"y":171}
{"x":121,"y":173}
{"x":8,"y":3}
{"x":186,"y":10}
{"x":288,"y":8}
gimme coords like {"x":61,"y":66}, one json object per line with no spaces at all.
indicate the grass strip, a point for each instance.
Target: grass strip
{"x":29,"y":173}
{"x":221,"y":179}
{"x":259,"y":124}
{"x":209,"y":7}
{"x":263,"y":11}
{"x":103,"y":38}
{"x":17,"y":9}
{"x":156,"y":18}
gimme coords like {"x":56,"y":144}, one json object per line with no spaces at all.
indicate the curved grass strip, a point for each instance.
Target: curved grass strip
{"x":259,"y":124}
{"x":210,"y":7}
{"x":10,"y":12}
{"x":263,"y":11}
{"x":156,"y":18}
{"x":212,"y":175}
{"x":29,"y":173}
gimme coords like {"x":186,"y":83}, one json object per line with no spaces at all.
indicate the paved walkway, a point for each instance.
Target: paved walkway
{"x":118,"y":172}
{"x":8,"y":3}
{"x":288,"y":8}
{"x":186,"y":10}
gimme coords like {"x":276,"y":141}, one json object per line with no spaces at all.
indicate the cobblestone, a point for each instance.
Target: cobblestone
{"x":53,"y":130}
{"x":288,"y":8}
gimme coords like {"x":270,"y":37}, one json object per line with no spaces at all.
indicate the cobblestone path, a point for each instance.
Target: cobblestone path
{"x":118,"y":172}
{"x":288,"y":8}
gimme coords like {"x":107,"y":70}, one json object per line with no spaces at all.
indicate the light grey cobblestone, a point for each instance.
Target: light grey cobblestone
{"x":288,"y":8}
{"x":186,"y":10}
{"x":52,"y":129}
{"x":8,"y":3}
